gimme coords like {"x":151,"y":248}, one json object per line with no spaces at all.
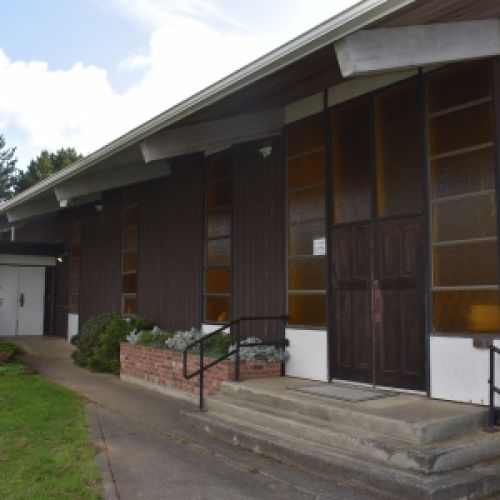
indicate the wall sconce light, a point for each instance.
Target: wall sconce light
{"x":266,"y":151}
{"x":60,"y":258}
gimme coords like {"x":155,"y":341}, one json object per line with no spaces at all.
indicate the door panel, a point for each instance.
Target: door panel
{"x":31,"y":307}
{"x":378,"y":298}
{"x":398,"y":330}
{"x":352,"y":299}
{"x":8,"y":300}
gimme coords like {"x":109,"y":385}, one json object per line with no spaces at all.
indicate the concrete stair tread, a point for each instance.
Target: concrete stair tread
{"x":340,"y":465}
{"x":412,"y":419}
{"x":454,"y":453}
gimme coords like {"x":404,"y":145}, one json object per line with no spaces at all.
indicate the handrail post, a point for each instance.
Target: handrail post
{"x":492,"y":388}
{"x":237,"y":364}
{"x":201,"y":378}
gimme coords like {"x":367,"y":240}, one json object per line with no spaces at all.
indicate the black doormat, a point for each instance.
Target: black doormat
{"x":343,"y":392}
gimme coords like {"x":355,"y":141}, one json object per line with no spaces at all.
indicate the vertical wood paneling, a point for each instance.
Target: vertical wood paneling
{"x":100,"y":275}
{"x":258,"y":237}
{"x":171,"y":246}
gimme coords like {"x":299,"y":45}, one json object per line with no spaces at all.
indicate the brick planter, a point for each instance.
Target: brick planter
{"x":164,"y":367}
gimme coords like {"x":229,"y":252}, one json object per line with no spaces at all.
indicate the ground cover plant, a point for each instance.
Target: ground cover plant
{"x":45,"y":447}
{"x":7,"y":351}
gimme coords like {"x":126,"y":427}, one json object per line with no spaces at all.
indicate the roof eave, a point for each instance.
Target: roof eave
{"x":348,"y":21}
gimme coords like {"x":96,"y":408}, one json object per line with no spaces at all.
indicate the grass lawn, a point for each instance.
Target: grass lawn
{"x":45,"y":446}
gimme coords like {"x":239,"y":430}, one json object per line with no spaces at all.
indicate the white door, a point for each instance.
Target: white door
{"x":31,"y":300}
{"x":22,"y":296}
{"x":9,"y":277}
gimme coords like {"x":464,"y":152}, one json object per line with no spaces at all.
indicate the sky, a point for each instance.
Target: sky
{"x":80,"y":73}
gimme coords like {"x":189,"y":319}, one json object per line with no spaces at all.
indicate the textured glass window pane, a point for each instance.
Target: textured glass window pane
{"x":307,"y":310}
{"x":398,"y":150}
{"x":219,"y":194}
{"x":467,"y":218}
{"x":466,"y":264}
{"x":218,"y":165}
{"x":306,"y":170}
{"x":130,"y":195}
{"x":130,"y":261}
{"x":218,"y":224}
{"x":130,"y":283}
{"x":75,"y":267}
{"x":129,"y":305}
{"x":130,"y":237}
{"x":219,"y":252}
{"x":307,"y":273}
{"x":131,"y":216}
{"x":466,"y":311}
{"x":303,"y":235}
{"x":463,"y":173}
{"x":351,"y":162}
{"x":305,"y":136}
{"x":458,"y":85}
{"x":307,"y":204}
{"x":218,"y":280}
{"x":217,"y":309}
{"x":461,"y":129}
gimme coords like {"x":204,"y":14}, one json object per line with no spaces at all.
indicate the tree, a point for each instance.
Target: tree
{"x":43,"y":165}
{"x":7,"y":171}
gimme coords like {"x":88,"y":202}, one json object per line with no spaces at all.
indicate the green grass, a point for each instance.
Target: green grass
{"x":45,"y":447}
{"x":8,"y":346}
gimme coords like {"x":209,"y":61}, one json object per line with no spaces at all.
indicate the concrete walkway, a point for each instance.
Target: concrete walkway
{"x":146,"y":451}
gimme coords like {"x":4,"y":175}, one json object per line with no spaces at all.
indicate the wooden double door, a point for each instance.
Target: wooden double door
{"x":378,"y":300}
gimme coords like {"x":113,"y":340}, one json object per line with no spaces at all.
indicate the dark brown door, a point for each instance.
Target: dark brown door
{"x":398,"y":303}
{"x":378,"y":303}
{"x":352,"y":297}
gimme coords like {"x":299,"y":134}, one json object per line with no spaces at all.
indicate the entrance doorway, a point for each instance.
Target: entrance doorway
{"x":378,"y":295}
{"x":22,"y":291}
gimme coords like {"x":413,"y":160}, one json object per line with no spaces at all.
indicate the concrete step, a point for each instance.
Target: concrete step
{"x":425,"y":458}
{"x":471,"y":482}
{"x":409,"y":418}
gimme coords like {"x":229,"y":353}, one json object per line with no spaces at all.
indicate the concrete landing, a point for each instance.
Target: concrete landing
{"x":403,"y":445}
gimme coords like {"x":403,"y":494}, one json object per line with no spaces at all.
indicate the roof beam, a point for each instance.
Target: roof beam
{"x":213,"y":135}
{"x":109,"y":179}
{"x":386,"y":49}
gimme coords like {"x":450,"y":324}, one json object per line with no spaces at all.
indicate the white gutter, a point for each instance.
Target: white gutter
{"x":348,"y":21}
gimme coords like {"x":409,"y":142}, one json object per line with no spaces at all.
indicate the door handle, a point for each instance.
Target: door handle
{"x":21,"y":300}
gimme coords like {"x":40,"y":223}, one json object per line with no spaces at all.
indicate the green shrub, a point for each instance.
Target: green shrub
{"x":8,"y":347}
{"x":106,"y":355}
{"x":153,"y":338}
{"x":98,"y":345}
{"x":88,"y":339}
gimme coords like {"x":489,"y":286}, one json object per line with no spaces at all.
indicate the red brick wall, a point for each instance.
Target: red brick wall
{"x":164,"y":367}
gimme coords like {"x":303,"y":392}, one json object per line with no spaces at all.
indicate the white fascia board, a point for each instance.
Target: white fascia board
{"x":109,"y":179}
{"x":361,"y":85}
{"x":386,"y":49}
{"x":27,"y":260}
{"x":32,"y":209}
{"x":358,"y":16}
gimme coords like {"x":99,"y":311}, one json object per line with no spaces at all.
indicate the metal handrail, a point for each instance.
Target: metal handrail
{"x":493,"y":389}
{"x":283,"y":342}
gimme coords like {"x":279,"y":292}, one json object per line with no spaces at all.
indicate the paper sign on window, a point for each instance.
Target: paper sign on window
{"x":319,"y":246}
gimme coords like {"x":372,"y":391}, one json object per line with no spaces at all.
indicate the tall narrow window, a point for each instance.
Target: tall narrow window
{"x":130,"y":239}
{"x":74,"y":267}
{"x":218,"y":205}
{"x":462,"y":167}
{"x":398,"y":150}
{"x":306,"y":223}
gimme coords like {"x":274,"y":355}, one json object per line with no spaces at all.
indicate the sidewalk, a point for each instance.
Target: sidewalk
{"x":146,"y":451}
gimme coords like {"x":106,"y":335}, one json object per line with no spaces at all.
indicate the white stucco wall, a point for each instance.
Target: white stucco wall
{"x":308,"y":354}
{"x":459,"y":371}
{"x":72,"y":325}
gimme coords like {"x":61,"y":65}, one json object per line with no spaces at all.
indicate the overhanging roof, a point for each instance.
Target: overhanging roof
{"x":360,"y":15}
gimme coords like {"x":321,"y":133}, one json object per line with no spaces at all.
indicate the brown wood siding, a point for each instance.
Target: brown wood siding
{"x":100,"y":278}
{"x":258,"y":237}
{"x":171,"y":246}
{"x":433,"y":11}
